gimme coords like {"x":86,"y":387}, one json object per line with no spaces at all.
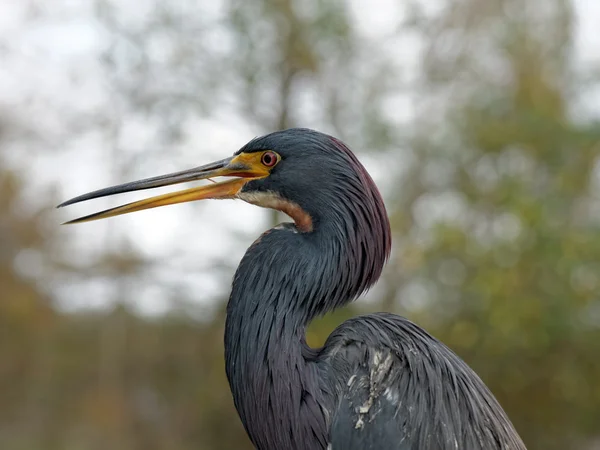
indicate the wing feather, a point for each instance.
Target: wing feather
{"x":399,"y":388}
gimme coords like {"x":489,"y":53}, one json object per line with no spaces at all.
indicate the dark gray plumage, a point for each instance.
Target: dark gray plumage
{"x":407,"y":390}
{"x":380,"y":381}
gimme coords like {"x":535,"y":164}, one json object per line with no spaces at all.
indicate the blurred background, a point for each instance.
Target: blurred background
{"x":479,"y":120}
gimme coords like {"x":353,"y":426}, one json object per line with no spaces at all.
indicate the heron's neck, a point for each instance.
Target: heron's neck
{"x":273,"y":377}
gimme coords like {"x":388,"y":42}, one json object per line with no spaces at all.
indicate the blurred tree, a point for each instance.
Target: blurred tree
{"x":26,"y":315}
{"x":499,"y":230}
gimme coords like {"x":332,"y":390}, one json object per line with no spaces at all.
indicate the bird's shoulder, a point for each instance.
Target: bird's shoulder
{"x":398,"y":387}
{"x":384,"y":339}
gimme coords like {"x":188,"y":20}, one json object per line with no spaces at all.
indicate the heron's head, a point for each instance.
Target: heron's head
{"x":312,"y":177}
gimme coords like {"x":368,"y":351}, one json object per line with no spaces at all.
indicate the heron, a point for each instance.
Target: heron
{"x":379,"y":381}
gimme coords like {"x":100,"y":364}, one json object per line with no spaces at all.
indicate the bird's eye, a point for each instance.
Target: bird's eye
{"x":269,"y":159}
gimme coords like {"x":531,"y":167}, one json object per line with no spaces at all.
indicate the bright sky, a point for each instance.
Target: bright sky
{"x":51,"y":65}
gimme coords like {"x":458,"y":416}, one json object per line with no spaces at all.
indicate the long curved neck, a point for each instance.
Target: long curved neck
{"x":274,"y":381}
{"x":285,"y":280}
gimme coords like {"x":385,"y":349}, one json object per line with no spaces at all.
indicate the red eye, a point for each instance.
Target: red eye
{"x":269,"y":159}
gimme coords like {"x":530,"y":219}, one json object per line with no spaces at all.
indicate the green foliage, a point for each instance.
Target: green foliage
{"x":509,"y":276}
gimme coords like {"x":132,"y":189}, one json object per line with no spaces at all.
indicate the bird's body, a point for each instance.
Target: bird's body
{"x":380,"y":381}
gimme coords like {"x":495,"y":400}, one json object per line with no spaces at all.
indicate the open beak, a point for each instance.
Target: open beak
{"x":245,"y":166}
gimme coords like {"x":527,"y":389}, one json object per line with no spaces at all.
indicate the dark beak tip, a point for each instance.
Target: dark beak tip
{"x":66,"y":203}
